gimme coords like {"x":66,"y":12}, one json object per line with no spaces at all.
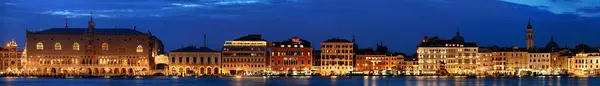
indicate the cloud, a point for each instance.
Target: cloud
{"x":185,"y":5}
{"x":79,"y":13}
{"x":585,"y":8}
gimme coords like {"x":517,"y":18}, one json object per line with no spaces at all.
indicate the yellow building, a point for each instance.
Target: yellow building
{"x":194,"y":61}
{"x":443,"y":57}
{"x":337,"y":57}
{"x":539,"y":63}
{"x":245,"y":56}
{"x":11,"y":59}
{"x":585,"y":64}
{"x":91,"y":51}
{"x":410,"y":66}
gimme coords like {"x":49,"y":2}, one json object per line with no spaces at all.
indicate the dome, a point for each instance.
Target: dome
{"x":552,"y":44}
{"x":458,"y":37}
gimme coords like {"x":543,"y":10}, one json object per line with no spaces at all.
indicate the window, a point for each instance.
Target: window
{"x":57,"y":46}
{"x":216,"y":60}
{"x":105,"y":46}
{"x":75,"y":46}
{"x":139,"y":48}
{"x":40,"y":46}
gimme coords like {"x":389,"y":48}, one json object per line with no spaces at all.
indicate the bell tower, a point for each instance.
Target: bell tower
{"x":529,"y":34}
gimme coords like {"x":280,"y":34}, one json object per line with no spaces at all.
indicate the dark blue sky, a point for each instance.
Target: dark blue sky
{"x":398,"y":23}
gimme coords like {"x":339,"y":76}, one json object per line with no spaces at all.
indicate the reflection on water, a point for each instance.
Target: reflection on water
{"x":305,"y":81}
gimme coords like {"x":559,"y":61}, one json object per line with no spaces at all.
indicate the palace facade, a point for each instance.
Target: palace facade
{"x":444,"y":57}
{"x":11,"y":59}
{"x":293,"y":56}
{"x":194,"y":61}
{"x":337,"y":57}
{"x":91,"y":51}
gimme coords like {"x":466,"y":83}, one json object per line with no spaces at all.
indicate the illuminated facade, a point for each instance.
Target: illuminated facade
{"x":410,"y":66}
{"x":456,"y":57}
{"x":380,"y":62}
{"x":539,"y":63}
{"x":293,"y":57}
{"x":245,"y":56}
{"x":11,"y":59}
{"x":337,"y":57}
{"x":585,"y":64}
{"x":91,"y":51}
{"x":194,"y":61}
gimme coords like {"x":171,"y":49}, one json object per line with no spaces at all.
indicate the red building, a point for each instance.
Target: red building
{"x":293,"y":56}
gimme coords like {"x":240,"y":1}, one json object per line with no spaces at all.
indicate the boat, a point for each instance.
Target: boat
{"x":106,"y":76}
{"x":138,"y":77}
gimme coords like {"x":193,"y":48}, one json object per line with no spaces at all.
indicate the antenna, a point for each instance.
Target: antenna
{"x":204,"y":40}
{"x":67,"y":22}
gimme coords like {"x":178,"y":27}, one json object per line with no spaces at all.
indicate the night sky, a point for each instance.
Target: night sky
{"x":400,"y":24}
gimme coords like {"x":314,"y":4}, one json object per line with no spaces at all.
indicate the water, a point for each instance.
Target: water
{"x":304,"y":81}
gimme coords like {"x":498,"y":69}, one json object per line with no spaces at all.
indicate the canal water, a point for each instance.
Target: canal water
{"x":304,"y":81}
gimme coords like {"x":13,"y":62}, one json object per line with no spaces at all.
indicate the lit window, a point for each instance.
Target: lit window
{"x":139,"y":48}
{"x":75,"y":46}
{"x":295,"y":45}
{"x":282,"y":45}
{"x":301,"y":45}
{"x":289,"y":45}
{"x":40,"y":46}
{"x":57,"y":46}
{"x":105,"y":46}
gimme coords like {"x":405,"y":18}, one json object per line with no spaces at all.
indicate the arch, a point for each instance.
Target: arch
{"x":75,"y":46}
{"x":39,"y":46}
{"x":95,"y":71}
{"x":105,"y":46}
{"x":202,"y":71}
{"x":180,"y":70}
{"x":162,"y":66}
{"x":116,"y":71}
{"x":130,"y":70}
{"x":208,"y":71}
{"x":216,"y":70}
{"x":123,"y":71}
{"x":53,"y":70}
{"x":89,"y":71}
{"x":139,"y":48}
{"x":57,"y":46}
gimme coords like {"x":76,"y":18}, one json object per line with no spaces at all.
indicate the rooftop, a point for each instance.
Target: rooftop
{"x":194,"y":49}
{"x":337,"y":40}
{"x":107,"y":31}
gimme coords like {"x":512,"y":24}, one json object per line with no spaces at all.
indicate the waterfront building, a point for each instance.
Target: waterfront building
{"x":245,"y":56}
{"x":486,"y":64}
{"x":11,"y":59}
{"x":91,"y":51}
{"x":539,"y":62}
{"x":410,"y":66}
{"x":455,"y":56}
{"x":377,"y":62}
{"x":293,"y":56}
{"x":337,"y":57}
{"x":194,"y":61}
{"x":585,"y":64}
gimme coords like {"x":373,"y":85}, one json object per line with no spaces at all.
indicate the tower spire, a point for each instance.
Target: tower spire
{"x":67,"y":22}
{"x":529,"y":35}
{"x":204,"y":40}
{"x":91,"y":24}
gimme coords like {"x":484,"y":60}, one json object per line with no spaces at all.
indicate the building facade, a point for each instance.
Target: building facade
{"x":91,"y":51}
{"x":245,"y":56}
{"x":585,"y":64}
{"x":370,"y":62}
{"x":445,"y":57}
{"x":293,"y":56}
{"x":337,"y":57}
{"x":194,"y":61}
{"x":11,"y":59}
